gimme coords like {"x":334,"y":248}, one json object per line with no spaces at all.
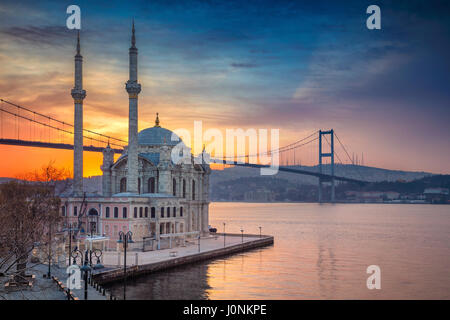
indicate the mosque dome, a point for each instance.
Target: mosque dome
{"x":157,"y":136}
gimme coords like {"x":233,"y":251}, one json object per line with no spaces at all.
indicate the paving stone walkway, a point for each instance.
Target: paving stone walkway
{"x":46,"y":289}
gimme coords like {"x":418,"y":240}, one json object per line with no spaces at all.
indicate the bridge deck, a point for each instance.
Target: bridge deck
{"x":322,"y":176}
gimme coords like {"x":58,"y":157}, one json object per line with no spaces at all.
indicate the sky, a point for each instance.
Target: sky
{"x":297,"y":66}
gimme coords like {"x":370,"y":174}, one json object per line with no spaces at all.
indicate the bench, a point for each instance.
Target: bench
{"x":9,"y":285}
{"x":173,"y":253}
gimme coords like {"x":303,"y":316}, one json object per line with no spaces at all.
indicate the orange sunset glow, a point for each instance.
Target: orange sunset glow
{"x":236,"y":85}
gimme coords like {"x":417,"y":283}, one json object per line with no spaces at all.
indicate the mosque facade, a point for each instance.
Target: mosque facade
{"x":144,"y":191}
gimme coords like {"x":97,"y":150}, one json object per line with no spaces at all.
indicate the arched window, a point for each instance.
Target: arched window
{"x":151,"y":185}
{"x":193,"y":189}
{"x":162,"y":212}
{"x":140,"y":212}
{"x":135,"y":212}
{"x":181,"y":211}
{"x":139,"y":185}
{"x":107,"y":212}
{"x":63,"y":211}
{"x":123,"y":185}
{"x":153,"y":212}
{"x":174,"y":187}
{"x":174,"y":212}
{"x":124,"y":212}
{"x":146,"y":212}
{"x":184,"y":188}
{"x":116,"y":212}
{"x":75,"y":211}
{"x":168,"y":212}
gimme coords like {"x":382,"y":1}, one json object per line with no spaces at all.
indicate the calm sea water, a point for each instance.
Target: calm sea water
{"x":320,"y":252}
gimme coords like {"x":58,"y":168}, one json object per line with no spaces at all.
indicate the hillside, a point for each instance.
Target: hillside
{"x":351,"y":171}
{"x":239,"y":179}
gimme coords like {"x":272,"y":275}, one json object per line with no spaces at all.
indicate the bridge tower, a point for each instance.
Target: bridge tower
{"x":133,"y":88}
{"x":78,"y":94}
{"x":326,"y":155}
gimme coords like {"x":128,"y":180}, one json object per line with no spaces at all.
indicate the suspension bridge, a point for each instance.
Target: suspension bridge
{"x":22,"y":126}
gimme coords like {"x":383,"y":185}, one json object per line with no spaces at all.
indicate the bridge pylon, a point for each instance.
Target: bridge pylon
{"x":326,"y":155}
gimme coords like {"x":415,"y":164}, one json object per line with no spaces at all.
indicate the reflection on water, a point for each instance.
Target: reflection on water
{"x":320,"y":252}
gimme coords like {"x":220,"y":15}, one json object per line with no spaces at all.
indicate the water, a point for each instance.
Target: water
{"x":320,"y":252}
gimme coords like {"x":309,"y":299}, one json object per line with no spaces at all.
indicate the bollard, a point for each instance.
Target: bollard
{"x":104,"y":292}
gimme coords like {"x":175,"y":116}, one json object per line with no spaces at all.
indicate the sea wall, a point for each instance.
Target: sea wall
{"x":117,"y":274}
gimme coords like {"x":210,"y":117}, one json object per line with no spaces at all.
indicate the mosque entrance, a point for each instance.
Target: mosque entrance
{"x":93,"y":227}
{"x":92,"y":221}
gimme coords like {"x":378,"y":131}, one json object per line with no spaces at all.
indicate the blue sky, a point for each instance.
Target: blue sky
{"x":294,"y":65}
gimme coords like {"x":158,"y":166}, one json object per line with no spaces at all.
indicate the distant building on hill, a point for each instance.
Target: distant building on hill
{"x":372,"y":196}
{"x":259,"y":195}
{"x":436,"y":195}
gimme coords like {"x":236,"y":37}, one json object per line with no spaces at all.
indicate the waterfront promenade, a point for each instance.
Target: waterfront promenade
{"x":158,"y":260}
{"x":47,"y":289}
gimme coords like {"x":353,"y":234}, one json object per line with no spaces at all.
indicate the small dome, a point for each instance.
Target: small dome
{"x":156,"y":136}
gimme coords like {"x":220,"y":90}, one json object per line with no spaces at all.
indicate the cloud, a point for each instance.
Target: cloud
{"x":243,"y":65}
{"x":49,"y":35}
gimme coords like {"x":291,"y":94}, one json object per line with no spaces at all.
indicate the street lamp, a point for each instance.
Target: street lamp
{"x":198,"y":243}
{"x":70,"y":230}
{"x":242,"y":232}
{"x":224,"y":234}
{"x":49,"y":250}
{"x":125,"y":238}
{"x":97,"y":253}
{"x":260,"y":232}
{"x":85,"y":267}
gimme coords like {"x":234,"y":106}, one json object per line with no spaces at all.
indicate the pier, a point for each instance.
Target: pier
{"x":139,"y":263}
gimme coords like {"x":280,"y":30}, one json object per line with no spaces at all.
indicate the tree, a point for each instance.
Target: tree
{"x":29,"y":209}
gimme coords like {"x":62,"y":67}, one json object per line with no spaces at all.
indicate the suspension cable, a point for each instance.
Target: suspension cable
{"x":59,"y":121}
{"x":53,"y":127}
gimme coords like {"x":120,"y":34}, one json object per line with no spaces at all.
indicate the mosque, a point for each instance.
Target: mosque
{"x":144,"y":191}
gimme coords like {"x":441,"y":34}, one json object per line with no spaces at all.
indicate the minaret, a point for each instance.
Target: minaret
{"x":78,"y":94}
{"x":133,"y":88}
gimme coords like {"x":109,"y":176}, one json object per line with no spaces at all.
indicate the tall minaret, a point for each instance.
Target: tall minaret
{"x":133,"y":88}
{"x":78,"y":94}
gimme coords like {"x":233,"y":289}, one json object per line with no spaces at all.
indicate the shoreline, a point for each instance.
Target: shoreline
{"x":336,"y":202}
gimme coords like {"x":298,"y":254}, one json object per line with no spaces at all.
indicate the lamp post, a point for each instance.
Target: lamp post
{"x":70,"y":230}
{"x":224,"y":234}
{"x":97,"y":253}
{"x":125,"y":238}
{"x":242,"y":232}
{"x":260,"y":232}
{"x":49,"y":250}
{"x":198,"y":243}
{"x":85,"y":267}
